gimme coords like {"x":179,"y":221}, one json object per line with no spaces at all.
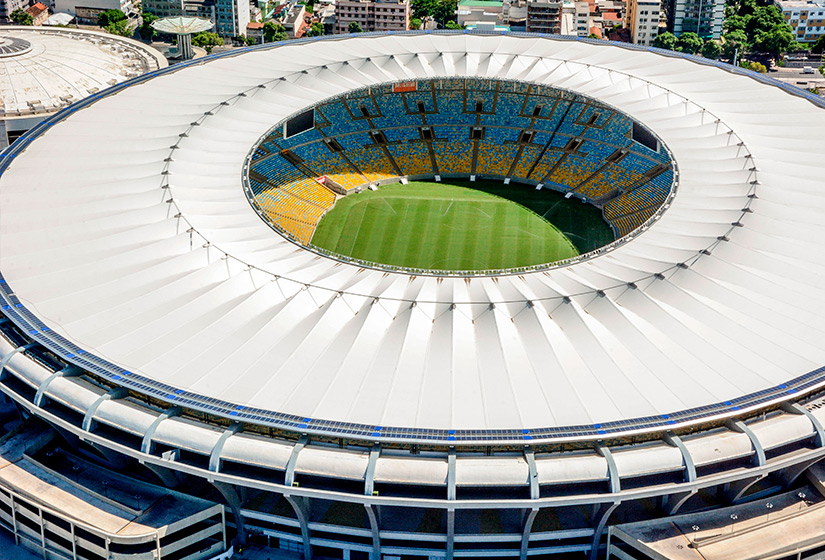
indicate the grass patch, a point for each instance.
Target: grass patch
{"x":444,"y":226}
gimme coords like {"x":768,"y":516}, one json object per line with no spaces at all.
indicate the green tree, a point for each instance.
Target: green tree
{"x":689,"y":43}
{"x":354,"y":27}
{"x":743,"y":7}
{"x":666,"y":40}
{"x":107,"y":18}
{"x":754,"y":66}
{"x":822,"y":70}
{"x":316,"y":30}
{"x":711,"y":49}
{"x":206,"y":40}
{"x":733,"y":42}
{"x":120,"y":27}
{"x":452,"y":25}
{"x":423,"y":8}
{"x":19,"y":17}
{"x":147,"y":32}
{"x":819,"y":46}
{"x":445,"y":12}
{"x":415,"y":23}
{"x":274,"y":32}
{"x":774,"y":41}
{"x":764,"y":19}
{"x":735,"y":23}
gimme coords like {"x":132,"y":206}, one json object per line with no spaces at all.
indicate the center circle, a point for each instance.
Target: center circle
{"x":459,"y":176}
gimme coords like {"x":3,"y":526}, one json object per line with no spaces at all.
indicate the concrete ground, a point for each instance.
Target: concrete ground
{"x":794,"y":76}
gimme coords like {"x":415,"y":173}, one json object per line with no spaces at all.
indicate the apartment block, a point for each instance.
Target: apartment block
{"x":372,"y":15}
{"x":807,"y":19}
{"x":544,"y":16}
{"x":642,"y":19}
{"x":703,"y":17}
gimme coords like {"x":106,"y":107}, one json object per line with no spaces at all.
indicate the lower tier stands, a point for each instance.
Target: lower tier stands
{"x":296,"y":207}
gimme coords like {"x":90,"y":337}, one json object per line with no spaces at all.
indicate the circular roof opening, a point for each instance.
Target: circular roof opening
{"x":13,"y":46}
{"x":459,"y":176}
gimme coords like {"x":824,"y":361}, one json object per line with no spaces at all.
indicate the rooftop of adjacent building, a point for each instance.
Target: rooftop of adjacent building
{"x":487,"y":26}
{"x":106,"y":501}
{"x":799,"y":4}
{"x":481,"y":3}
{"x":295,"y":13}
{"x":37,"y":9}
{"x":762,"y":528}
{"x":80,"y":63}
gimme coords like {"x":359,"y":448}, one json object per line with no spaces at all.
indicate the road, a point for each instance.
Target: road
{"x":794,"y":76}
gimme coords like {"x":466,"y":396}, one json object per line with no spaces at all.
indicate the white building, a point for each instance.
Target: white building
{"x":807,"y":19}
{"x":86,"y":11}
{"x":480,"y":11}
{"x":642,"y":19}
{"x":372,"y":15}
{"x":44,"y":69}
{"x":576,"y":18}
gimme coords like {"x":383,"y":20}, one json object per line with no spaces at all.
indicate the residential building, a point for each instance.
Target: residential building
{"x":200,"y":8}
{"x":479,"y":11}
{"x":373,"y":15}
{"x":807,"y":19}
{"x":163,"y":8}
{"x":514,"y":14}
{"x":8,"y":6}
{"x":642,"y":19}
{"x":703,"y":17}
{"x":39,"y":13}
{"x":544,"y":16}
{"x":231,"y":17}
{"x":87,"y":11}
{"x":325,"y":13}
{"x":576,"y":19}
{"x":294,"y":20}
{"x":255,"y":30}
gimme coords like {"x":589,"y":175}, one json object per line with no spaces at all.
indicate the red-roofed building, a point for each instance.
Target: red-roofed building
{"x":255,"y":30}
{"x":39,"y":13}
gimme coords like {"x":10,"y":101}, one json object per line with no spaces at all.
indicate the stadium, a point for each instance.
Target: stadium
{"x":420,"y":295}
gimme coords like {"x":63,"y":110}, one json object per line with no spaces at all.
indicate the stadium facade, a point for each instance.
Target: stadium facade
{"x":152,"y":318}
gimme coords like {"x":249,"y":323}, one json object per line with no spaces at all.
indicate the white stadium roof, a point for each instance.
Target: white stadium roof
{"x":186,"y":286}
{"x":51,"y":67}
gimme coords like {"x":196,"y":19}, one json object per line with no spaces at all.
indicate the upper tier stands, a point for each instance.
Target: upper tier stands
{"x":458,"y":126}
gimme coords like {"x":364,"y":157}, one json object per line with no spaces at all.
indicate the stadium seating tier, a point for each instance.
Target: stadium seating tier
{"x":459,"y":126}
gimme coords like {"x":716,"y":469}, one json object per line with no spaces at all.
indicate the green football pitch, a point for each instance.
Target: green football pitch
{"x":448,"y":226}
